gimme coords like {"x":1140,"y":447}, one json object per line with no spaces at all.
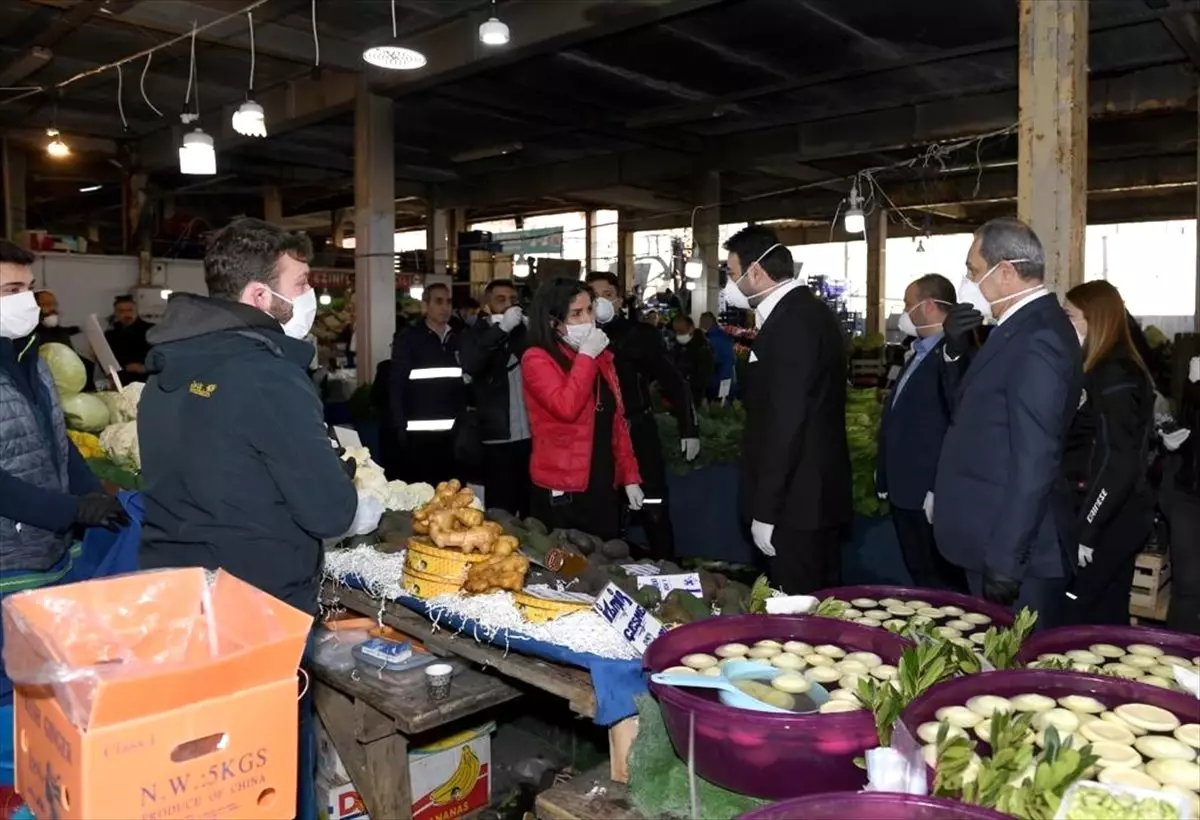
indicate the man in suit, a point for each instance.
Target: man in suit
{"x":795,"y":483}
{"x":999,"y":508}
{"x":914,"y":423}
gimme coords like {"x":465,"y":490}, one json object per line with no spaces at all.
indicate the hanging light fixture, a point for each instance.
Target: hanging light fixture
{"x":325,"y":300}
{"x":855,"y":222}
{"x":493,"y":31}
{"x":694,"y":267}
{"x":56,"y":147}
{"x":920,"y":246}
{"x":394,"y":57}
{"x":520,"y":268}
{"x":250,"y":120}
{"x":690,"y":285}
{"x":197,"y":154}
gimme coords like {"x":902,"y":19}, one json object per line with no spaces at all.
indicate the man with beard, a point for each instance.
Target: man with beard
{"x":127,"y":338}
{"x":642,"y":359}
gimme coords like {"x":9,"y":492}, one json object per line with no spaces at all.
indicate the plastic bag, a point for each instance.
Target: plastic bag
{"x":366,"y":517}
{"x":334,"y":649}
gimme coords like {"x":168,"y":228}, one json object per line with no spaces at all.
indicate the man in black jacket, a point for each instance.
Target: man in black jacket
{"x":427,"y":392}
{"x":795,"y":462}
{"x":127,"y":338}
{"x":491,"y":360}
{"x":641,"y":359}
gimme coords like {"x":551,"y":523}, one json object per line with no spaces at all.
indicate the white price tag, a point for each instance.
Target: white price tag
{"x":640,"y":569}
{"x":636,"y":625}
{"x":688,"y":582}
{"x":549,"y":594}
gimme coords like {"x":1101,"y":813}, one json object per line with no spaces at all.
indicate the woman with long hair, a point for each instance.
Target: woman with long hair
{"x":1106,"y":456}
{"x":582,"y":452}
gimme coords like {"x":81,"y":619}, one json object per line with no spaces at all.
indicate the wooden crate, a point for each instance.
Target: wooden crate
{"x":1150,"y":594}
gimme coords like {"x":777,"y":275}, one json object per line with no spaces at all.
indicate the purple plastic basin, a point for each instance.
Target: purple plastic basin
{"x":759,"y":753}
{"x":1001,"y":616}
{"x":1081,"y":637}
{"x":1052,"y":683}
{"x":872,"y":806}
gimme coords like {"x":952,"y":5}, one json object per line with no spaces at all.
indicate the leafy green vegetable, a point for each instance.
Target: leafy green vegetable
{"x":1092,"y":803}
{"x":85,"y":412}
{"x":105,"y":470}
{"x":65,"y":366}
{"x":1000,"y":646}
{"x":759,"y":593}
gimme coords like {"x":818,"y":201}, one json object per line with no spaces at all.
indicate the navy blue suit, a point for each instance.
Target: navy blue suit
{"x":999,"y":500}
{"x":914,"y":423}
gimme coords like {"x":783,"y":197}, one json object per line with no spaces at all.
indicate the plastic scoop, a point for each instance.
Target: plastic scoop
{"x":736,"y":698}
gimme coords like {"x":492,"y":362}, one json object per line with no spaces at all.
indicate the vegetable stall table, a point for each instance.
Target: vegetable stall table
{"x":371,"y":718}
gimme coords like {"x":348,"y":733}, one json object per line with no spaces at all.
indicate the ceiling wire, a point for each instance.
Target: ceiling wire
{"x":316,"y":39}
{"x":142,"y":84}
{"x":250,"y":20}
{"x":121,"y":98}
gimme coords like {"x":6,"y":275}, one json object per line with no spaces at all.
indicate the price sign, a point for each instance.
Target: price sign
{"x":688,"y":582}
{"x":626,"y":616}
{"x":640,"y":569}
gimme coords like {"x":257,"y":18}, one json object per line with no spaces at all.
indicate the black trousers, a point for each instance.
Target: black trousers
{"x":655,"y":518}
{"x":1101,"y":589}
{"x":596,"y":511}
{"x":806,"y":560}
{"x":1045,"y":596}
{"x":427,"y":457}
{"x":1182,"y":511}
{"x":506,"y":476}
{"x":919,"y":549}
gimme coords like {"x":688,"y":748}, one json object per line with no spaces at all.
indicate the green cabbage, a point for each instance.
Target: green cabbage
{"x":85,"y":412}
{"x":66,"y":367}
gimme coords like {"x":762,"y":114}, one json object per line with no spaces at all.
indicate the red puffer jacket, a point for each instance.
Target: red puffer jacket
{"x":562,"y":420}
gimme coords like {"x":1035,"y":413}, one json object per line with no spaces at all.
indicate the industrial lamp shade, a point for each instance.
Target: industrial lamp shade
{"x":197,"y":154}
{"x":395,"y":58}
{"x":250,"y":120}
{"x":855,"y":221}
{"x":493,"y":32}
{"x":694,"y":268}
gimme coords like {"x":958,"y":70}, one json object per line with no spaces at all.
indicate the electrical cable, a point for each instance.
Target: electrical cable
{"x":316,"y":39}
{"x":121,"y":98}
{"x":250,"y":20}
{"x":142,"y":84}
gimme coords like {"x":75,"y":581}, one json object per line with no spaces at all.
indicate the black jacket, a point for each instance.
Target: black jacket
{"x":795,"y":460}
{"x":237,"y":465}
{"x":416,"y":402}
{"x":129,"y":346}
{"x":911,"y":432}
{"x":695,"y":360}
{"x":487,"y":355}
{"x":641,"y":360}
{"x":1107,"y":449}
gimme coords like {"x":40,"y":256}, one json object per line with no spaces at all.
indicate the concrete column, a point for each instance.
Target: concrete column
{"x":1052,"y":136}
{"x":374,"y":228}
{"x":13,"y":160}
{"x":707,"y":241}
{"x":272,"y":204}
{"x":437,"y":229}
{"x":337,"y":229}
{"x":625,"y":251}
{"x":876,"y":269}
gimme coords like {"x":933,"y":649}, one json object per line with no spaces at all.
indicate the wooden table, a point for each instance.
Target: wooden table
{"x":371,"y":717}
{"x":588,"y":796}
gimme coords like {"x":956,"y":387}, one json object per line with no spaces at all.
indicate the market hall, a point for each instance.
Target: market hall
{"x":654,"y":408}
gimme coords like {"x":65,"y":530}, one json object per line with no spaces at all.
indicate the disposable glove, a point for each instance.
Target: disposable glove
{"x":594,"y":344}
{"x":101,"y":510}
{"x":928,"y":507}
{"x":762,"y":533}
{"x":1000,"y":589}
{"x":723,"y":389}
{"x":511,"y":318}
{"x":690,"y":447}
{"x":1085,"y":556}
{"x":961,"y":321}
{"x":880,"y":494}
{"x":635,"y":495}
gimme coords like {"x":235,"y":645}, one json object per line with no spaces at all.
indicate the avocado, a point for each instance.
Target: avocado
{"x":729,"y":602}
{"x":533,"y":525}
{"x":616,"y":549}
{"x":592,"y":580}
{"x":669,"y":568}
{"x":649,"y":598}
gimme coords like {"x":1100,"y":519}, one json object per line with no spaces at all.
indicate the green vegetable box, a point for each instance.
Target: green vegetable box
{"x":1088,"y":800}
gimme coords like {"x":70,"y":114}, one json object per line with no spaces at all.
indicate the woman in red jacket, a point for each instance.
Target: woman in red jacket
{"x":581,"y":447}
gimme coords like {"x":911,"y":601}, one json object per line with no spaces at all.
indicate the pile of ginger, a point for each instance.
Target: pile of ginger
{"x":452,"y":523}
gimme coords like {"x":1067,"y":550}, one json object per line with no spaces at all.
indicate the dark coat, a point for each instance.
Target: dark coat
{"x":642,"y":360}
{"x":911,"y":432}
{"x":487,"y":355}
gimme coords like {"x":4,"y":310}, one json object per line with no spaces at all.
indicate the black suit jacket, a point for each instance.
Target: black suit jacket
{"x":911,"y":432}
{"x":795,"y":461}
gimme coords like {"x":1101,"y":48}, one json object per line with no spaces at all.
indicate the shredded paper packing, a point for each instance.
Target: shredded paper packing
{"x":579,"y":631}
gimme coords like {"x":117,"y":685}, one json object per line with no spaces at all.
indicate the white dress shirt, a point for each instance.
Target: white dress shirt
{"x":764,"y":309}
{"x":1012,"y":311}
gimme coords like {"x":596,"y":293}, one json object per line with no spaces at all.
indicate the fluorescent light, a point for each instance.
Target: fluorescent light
{"x":325,"y":299}
{"x":855,"y":221}
{"x":520,"y":269}
{"x":416,"y":291}
{"x":165,"y":293}
{"x":395,"y":58}
{"x":250,"y":120}
{"x":197,"y":156}
{"x":87,"y":189}
{"x":694,"y":268}
{"x":493,"y":32}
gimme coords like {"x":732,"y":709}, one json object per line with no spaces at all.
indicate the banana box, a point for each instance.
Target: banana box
{"x":453,"y":777}
{"x":339,"y":801}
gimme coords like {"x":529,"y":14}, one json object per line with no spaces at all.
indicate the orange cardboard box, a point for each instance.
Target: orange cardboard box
{"x":155,"y":695}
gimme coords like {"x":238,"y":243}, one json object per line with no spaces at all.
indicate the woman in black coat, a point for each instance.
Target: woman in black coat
{"x":1106,"y":456}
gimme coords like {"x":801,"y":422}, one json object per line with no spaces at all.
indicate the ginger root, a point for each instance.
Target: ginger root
{"x":507,"y":572}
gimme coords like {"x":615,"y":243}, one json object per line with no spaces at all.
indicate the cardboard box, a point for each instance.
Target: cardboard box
{"x":164,"y":697}
{"x":449,"y":779}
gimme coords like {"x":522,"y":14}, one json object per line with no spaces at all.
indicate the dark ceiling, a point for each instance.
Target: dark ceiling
{"x":598,"y":103}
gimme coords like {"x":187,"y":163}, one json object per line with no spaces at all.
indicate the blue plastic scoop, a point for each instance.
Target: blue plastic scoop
{"x":736,"y":698}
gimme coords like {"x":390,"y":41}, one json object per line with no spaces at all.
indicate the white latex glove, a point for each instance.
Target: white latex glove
{"x":690,"y":447}
{"x":723,"y":388}
{"x":928,"y":507}
{"x":594,"y":344}
{"x":635,"y":495}
{"x":761,"y":533}
{"x":875,"y":481}
{"x":511,"y":318}
{"x":1085,"y":556}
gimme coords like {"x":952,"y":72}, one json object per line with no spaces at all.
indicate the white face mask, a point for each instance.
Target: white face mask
{"x":970,"y":292}
{"x":735,"y":297}
{"x":19,"y":314}
{"x":575,"y":334}
{"x":304,"y":310}
{"x":910,"y":328}
{"x":51,"y":320}
{"x":683,"y":338}
{"x":603,"y":310}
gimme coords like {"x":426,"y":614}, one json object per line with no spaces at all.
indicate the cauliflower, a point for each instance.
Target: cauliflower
{"x":370,"y":480}
{"x":407,"y":497}
{"x":120,"y":441}
{"x":123,"y":406}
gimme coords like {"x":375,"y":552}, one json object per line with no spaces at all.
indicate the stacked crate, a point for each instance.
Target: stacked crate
{"x":1151,"y":592}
